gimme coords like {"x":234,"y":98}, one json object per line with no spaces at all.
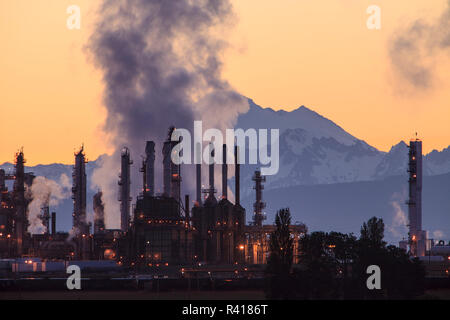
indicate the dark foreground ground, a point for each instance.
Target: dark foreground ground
{"x":132,"y":295}
{"x":437,"y":294}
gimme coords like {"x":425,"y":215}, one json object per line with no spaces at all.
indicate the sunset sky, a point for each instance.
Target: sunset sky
{"x":282,"y":54}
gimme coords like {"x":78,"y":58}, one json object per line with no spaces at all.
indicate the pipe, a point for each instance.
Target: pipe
{"x":198,"y":150}
{"x":53,"y":223}
{"x":237,"y":175}
{"x":187,"y":213}
{"x":211,"y":171}
{"x":224,"y":173}
{"x":149,"y":171}
{"x":167,"y":167}
{"x":125,"y":188}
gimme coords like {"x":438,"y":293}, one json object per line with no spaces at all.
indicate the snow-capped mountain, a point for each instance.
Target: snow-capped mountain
{"x":314,"y":150}
{"x":437,"y":162}
{"x":301,"y":118}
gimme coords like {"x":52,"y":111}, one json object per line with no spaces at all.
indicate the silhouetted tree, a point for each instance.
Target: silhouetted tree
{"x":401,"y":277}
{"x":318,"y":267}
{"x":344,"y":248}
{"x":281,"y":244}
{"x":372,"y":233}
{"x":279,"y":262}
{"x":333,"y":265}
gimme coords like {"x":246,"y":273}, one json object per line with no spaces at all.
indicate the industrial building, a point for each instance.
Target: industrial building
{"x":417,"y":238}
{"x":156,"y":230}
{"x":14,"y":237}
{"x":166,"y":230}
{"x":219,"y":225}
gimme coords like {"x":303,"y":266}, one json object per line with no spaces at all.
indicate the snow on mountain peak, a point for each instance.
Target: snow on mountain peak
{"x":302,"y":117}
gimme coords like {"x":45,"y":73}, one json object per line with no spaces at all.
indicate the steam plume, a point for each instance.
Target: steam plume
{"x":161,"y":66}
{"x":45,"y":192}
{"x":398,"y":226}
{"x":414,"y":50}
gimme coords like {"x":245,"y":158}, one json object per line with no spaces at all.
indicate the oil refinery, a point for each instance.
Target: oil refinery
{"x":166,"y":232}
{"x":157,"y":231}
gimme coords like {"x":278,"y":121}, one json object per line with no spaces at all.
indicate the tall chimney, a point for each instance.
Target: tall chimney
{"x":149,"y":171}
{"x":417,"y":235}
{"x":53,"y":223}
{"x":224,"y":173}
{"x":211,"y":171}
{"x":79,"y":193}
{"x":198,"y":150}
{"x":19,"y":198}
{"x":259,"y":205}
{"x":237,"y":175}
{"x":125,"y":184}
{"x":186,"y":209}
{"x":175,"y":179}
{"x":167,"y":164}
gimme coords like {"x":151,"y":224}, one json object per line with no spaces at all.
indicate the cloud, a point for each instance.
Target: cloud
{"x":414,"y":50}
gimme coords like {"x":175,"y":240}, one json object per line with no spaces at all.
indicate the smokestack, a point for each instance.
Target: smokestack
{"x":167,"y":164}
{"x":198,"y":150}
{"x":19,"y":198}
{"x":79,"y":193}
{"x":186,"y":208}
{"x":124,"y":184}
{"x":224,"y":173}
{"x":175,"y":178}
{"x":144,"y":175}
{"x":237,"y":175}
{"x":418,"y":236}
{"x":150,"y":168}
{"x":53,"y":223}
{"x":211,"y":171}
{"x":259,"y":205}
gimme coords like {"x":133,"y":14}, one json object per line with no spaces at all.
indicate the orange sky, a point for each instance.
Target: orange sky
{"x":283,"y":54}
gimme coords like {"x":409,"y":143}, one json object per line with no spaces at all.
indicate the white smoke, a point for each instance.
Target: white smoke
{"x":45,"y":192}
{"x":438,"y":235}
{"x":105,"y":177}
{"x":161,"y":65}
{"x":416,"y":51}
{"x":398,"y":227}
{"x":73,"y":232}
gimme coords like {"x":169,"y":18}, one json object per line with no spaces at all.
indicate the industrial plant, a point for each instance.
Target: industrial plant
{"x":168,"y":231}
{"x":417,"y":243}
{"x":158,"y":230}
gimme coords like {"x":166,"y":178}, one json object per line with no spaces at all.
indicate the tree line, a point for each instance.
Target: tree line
{"x":333,"y":265}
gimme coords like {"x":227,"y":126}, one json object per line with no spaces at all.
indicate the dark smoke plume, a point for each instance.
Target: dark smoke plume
{"x":161,"y":66}
{"x":414,"y":51}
